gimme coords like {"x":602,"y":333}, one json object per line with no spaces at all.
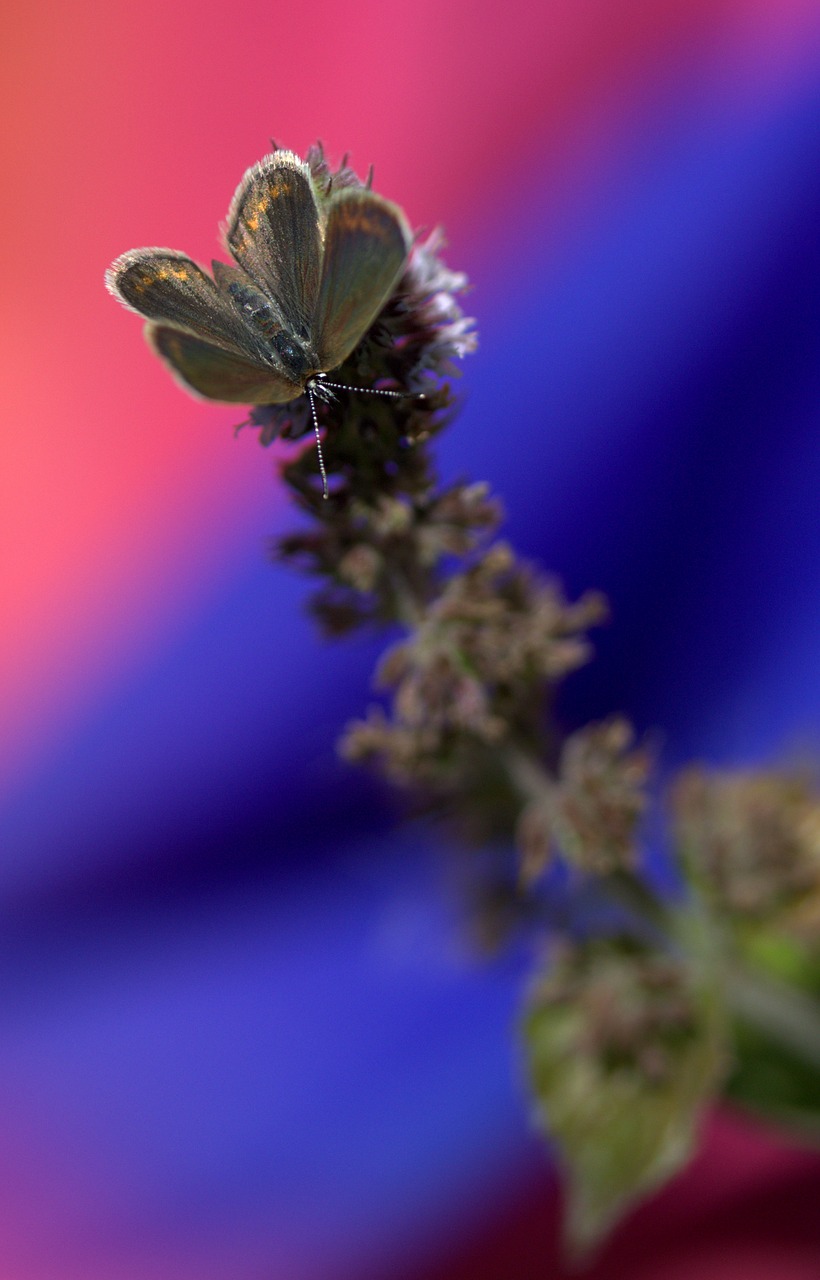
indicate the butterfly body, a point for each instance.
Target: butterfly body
{"x":309,"y":275}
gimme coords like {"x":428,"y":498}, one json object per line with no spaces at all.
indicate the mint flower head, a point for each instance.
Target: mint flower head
{"x":372,"y":444}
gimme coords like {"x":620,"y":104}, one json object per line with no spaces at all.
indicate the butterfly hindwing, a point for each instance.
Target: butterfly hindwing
{"x":366,"y":246}
{"x":168,"y":287}
{"x":217,"y":374}
{"x":274,"y":233}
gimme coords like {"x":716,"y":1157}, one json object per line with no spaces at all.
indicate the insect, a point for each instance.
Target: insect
{"x":309,"y":275}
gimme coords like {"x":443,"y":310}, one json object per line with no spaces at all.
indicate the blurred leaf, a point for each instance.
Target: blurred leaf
{"x":783,"y":955}
{"x":624,"y":1121}
{"x":775,"y":1082}
{"x":776,"y":1068}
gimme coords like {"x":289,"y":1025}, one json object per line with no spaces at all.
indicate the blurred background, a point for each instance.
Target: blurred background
{"x":241,"y":1031}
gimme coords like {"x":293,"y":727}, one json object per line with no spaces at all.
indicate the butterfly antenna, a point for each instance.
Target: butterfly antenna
{"x":375,"y":391}
{"x":369,"y":183}
{"x":312,"y":399}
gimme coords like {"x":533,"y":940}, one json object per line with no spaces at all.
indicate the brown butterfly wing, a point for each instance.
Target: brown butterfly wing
{"x":274,"y":233}
{"x":367,"y":241}
{"x":167,"y":287}
{"x":217,"y":374}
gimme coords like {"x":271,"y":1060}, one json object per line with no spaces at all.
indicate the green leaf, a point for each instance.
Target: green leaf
{"x":776,"y":1082}
{"x":776,"y":1007}
{"x":621,"y":1075}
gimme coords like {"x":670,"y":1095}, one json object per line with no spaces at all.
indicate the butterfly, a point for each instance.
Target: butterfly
{"x":310,"y":273}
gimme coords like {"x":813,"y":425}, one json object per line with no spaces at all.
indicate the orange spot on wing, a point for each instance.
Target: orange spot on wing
{"x":255,"y":211}
{"x":142,"y":282}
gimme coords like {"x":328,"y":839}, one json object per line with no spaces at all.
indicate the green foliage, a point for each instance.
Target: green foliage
{"x":778,"y":1075}
{"x":775,"y":1081}
{"x":623,"y":1055}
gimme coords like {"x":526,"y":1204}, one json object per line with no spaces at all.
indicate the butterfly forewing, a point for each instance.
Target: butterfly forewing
{"x":218,"y":374}
{"x":273,"y":232}
{"x":366,"y":246}
{"x":166,"y":286}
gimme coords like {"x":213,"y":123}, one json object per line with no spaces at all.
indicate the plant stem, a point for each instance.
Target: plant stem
{"x":527,"y":774}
